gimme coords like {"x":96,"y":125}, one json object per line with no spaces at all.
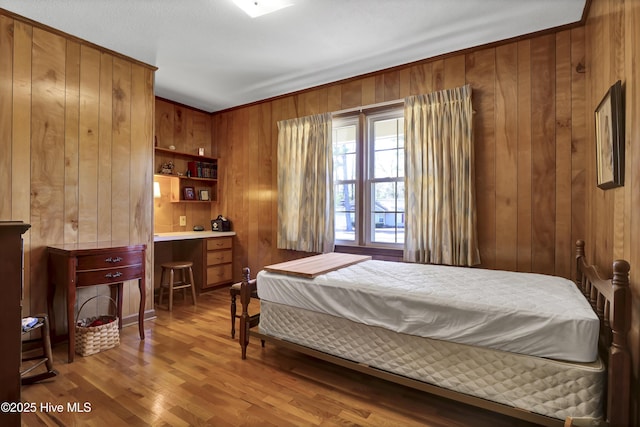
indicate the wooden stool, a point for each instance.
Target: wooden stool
{"x":172,"y":285}
{"x":44,"y":357}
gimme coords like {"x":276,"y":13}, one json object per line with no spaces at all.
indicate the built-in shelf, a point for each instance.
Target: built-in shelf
{"x":191,"y":174}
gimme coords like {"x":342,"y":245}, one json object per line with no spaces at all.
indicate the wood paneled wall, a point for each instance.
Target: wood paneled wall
{"x":529,"y":98}
{"x":187,"y":129}
{"x":76,"y":126}
{"x":613,"y":219}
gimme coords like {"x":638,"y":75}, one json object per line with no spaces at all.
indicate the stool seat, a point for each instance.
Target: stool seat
{"x":177,"y":264}
{"x":184,"y":267}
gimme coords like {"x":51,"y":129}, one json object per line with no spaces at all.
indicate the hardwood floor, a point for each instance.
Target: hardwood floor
{"x":188,"y":372}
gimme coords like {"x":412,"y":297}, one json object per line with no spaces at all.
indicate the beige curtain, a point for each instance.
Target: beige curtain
{"x":440,"y":203}
{"x":305,"y":189}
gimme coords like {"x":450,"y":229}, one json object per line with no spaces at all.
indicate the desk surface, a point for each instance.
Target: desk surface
{"x":186,"y":235}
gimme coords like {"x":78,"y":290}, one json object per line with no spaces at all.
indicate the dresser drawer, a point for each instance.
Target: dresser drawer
{"x":219,"y":274}
{"x":219,"y":257}
{"x":109,"y":260}
{"x":219,"y":243}
{"x":110,"y":275}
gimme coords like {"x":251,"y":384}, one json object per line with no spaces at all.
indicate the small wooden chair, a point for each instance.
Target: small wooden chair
{"x":235,"y":292}
{"x":183,"y":267}
{"x":44,"y":357}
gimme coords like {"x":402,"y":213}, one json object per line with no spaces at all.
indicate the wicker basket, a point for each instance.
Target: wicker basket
{"x":94,"y":339}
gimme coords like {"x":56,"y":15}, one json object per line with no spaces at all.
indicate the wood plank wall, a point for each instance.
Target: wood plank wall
{"x":187,"y":129}
{"x":613,"y":221}
{"x":76,"y":127}
{"x":529,"y":98}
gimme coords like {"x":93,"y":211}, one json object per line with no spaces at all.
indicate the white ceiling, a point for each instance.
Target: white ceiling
{"x":212,"y":56}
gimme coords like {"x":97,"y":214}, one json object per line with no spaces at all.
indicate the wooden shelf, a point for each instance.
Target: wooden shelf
{"x":190,"y":178}
{"x":174,"y":184}
{"x":183,"y":154}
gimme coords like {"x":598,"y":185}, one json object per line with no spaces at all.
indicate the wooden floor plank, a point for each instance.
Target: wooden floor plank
{"x":188,"y":372}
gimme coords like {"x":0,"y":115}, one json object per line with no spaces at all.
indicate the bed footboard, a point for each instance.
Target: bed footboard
{"x":611,"y":300}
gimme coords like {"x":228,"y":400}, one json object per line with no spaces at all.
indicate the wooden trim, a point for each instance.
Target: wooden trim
{"x":178,"y":104}
{"x":374,"y":252}
{"x":68,"y":36}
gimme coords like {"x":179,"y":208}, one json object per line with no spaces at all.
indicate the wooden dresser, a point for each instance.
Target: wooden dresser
{"x":89,"y":264}
{"x":10,"y":317}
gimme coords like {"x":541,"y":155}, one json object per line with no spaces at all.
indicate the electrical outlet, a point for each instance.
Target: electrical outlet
{"x":183,"y":221}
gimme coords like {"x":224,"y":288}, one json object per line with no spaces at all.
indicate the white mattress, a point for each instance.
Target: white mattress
{"x":525,"y":313}
{"x":549,"y":387}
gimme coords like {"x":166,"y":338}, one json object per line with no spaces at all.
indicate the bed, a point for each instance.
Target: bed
{"x":542,"y":353}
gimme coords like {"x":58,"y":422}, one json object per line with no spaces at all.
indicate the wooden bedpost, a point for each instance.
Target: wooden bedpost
{"x":579,"y":256}
{"x":618,"y":395}
{"x":245,"y":321}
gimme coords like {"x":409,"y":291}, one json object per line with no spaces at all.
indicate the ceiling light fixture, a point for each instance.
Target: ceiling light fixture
{"x":255,"y":8}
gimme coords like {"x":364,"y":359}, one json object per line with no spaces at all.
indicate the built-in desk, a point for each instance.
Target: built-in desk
{"x":210,"y":251}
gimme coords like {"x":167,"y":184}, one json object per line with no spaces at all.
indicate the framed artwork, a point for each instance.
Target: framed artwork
{"x":609,"y":118}
{"x":204,"y":194}
{"x":189,"y":193}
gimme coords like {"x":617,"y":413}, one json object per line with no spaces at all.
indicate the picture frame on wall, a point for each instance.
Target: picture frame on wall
{"x":609,"y":123}
{"x":189,"y":193}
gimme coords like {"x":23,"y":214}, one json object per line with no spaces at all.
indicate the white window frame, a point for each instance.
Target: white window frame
{"x":364,"y":121}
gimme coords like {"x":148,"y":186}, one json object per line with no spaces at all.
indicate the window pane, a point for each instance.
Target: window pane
{"x":344,"y":167}
{"x":387,"y":214}
{"x":345,"y":210}
{"x":388,"y":148}
{"x":344,"y":153}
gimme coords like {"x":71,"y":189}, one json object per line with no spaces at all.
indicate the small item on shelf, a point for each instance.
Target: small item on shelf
{"x":172,"y":147}
{"x":198,"y":228}
{"x":167,"y":168}
{"x":189,"y":193}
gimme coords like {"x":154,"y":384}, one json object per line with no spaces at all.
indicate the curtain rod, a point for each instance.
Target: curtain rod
{"x":368,"y":107}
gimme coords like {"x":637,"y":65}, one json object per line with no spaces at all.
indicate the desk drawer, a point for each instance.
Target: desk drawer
{"x":219,"y":274}
{"x":109,"y":260}
{"x":219,"y":257}
{"x":109,"y":275}
{"x":219,"y":243}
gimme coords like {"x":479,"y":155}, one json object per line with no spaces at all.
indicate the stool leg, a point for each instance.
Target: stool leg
{"x":233,"y":315}
{"x":161,"y":286}
{"x":193,"y":286}
{"x":46,"y":343}
{"x":184,"y":280}
{"x":171,"y":276}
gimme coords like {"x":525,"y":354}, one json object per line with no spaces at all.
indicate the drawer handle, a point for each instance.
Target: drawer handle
{"x":116,"y":259}
{"x":113,"y":276}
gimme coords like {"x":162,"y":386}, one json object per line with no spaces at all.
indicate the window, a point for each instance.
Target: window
{"x":368,"y":164}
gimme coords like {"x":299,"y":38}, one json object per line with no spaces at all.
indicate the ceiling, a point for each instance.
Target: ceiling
{"x":212,"y":56}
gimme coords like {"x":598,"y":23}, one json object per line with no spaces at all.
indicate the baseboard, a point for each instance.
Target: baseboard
{"x":132,"y":319}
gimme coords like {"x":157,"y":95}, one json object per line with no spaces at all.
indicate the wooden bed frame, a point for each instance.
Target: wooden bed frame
{"x":610,"y":299}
